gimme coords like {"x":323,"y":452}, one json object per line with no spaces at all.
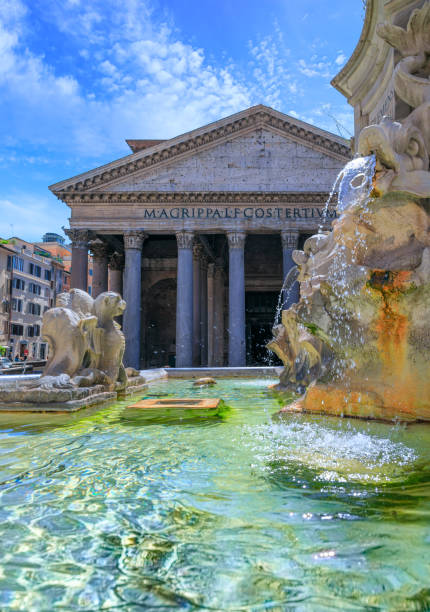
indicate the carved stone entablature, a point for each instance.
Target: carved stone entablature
{"x":116,"y":261}
{"x":185,"y":239}
{"x":134,"y":239}
{"x":99,"y":249}
{"x":190,"y":143}
{"x":290,"y":239}
{"x":236,"y":240}
{"x":78,"y":237}
{"x":197,"y":197}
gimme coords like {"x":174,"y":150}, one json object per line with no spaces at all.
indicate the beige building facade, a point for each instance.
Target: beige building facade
{"x":30,"y":280}
{"x":197,"y":232}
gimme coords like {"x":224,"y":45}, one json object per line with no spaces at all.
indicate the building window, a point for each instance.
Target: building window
{"x":16,"y":330}
{"x":30,"y":331}
{"x":42,"y":351}
{"x":18,"y":283}
{"x":33,"y":308}
{"x":35,"y":270}
{"x":36,"y":329}
{"x":47,"y":274}
{"x":33,"y":288}
{"x":17,"y":263}
{"x":16,"y":305}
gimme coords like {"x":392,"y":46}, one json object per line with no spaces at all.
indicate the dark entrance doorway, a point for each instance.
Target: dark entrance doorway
{"x":160,"y":346}
{"x":260,"y":308}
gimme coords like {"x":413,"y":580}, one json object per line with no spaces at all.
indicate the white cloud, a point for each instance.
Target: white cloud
{"x":341,"y":59}
{"x":147,"y":83}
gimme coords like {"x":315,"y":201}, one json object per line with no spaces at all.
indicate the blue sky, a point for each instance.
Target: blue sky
{"x":78,"y":77}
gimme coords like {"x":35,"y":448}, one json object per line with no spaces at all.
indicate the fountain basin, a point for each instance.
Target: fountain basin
{"x":249,"y":511}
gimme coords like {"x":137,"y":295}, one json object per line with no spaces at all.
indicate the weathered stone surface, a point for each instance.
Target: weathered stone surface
{"x":402,"y":147}
{"x":86,"y":350}
{"x":365,"y":288}
{"x":204,"y":382}
{"x":260,"y":161}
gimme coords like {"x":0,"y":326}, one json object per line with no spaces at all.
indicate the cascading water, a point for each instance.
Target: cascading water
{"x":352,"y":340}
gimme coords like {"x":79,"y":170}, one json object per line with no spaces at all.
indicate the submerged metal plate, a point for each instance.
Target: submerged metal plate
{"x":183,"y":403}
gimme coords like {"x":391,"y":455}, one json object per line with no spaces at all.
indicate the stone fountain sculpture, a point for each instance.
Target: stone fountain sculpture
{"x":358,"y":340}
{"x":86,"y":348}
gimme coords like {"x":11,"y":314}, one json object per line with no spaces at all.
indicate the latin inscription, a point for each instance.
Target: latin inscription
{"x":227,"y":212}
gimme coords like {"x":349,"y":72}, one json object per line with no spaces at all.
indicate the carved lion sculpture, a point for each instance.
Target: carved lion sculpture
{"x":68,"y":328}
{"x":109,"y":339}
{"x":86,"y":345}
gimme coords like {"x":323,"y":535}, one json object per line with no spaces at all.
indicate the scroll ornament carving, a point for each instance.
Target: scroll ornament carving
{"x":134,"y":239}
{"x":197,"y":251}
{"x":185,"y":239}
{"x":236,"y":240}
{"x":99,"y":249}
{"x":78,"y":237}
{"x":116,"y":261}
{"x":402,"y":146}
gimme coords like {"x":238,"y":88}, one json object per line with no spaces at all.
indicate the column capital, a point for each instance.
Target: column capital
{"x":197,"y":250}
{"x":185,"y":239}
{"x":211,"y":270}
{"x":204,"y":263}
{"x":290,"y":239}
{"x":98,"y":248}
{"x":116,"y":261}
{"x":134,"y":239}
{"x":78,"y":237}
{"x":236,"y":240}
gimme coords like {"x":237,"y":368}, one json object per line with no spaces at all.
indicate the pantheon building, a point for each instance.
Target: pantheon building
{"x":197,"y":233}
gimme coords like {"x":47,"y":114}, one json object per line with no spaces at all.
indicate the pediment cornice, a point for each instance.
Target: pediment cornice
{"x":195,"y":197}
{"x":207,"y":136}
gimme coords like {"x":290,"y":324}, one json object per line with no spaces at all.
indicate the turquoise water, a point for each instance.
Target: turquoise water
{"x":117,"y":509}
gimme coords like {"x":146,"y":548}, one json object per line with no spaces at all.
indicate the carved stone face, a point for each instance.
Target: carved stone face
{"x":109,"y":305}
{"x":401,"y":157}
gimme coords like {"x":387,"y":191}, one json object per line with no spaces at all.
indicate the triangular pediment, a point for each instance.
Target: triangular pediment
{"x":250,"y":150}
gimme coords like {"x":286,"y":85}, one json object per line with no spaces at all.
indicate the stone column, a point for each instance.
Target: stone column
{"x":116,"y":264}
{"x":290,"y":241}
{"x":219,"y":299}
{"x":79,"y":267}
{"x":236,"y":299}
{"x":133,"y":242}
{"x":197,"y":254}
{"x":99,"y":251}
{"x":184,"y":300}
{"x":204,"y":311}
{"x":211,"y":281}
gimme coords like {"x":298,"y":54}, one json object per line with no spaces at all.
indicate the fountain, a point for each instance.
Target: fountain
{"x":358,"y":341}
{"x":85,"y":367}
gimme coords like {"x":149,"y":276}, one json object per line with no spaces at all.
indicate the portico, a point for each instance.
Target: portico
{"x":200,"y":231}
